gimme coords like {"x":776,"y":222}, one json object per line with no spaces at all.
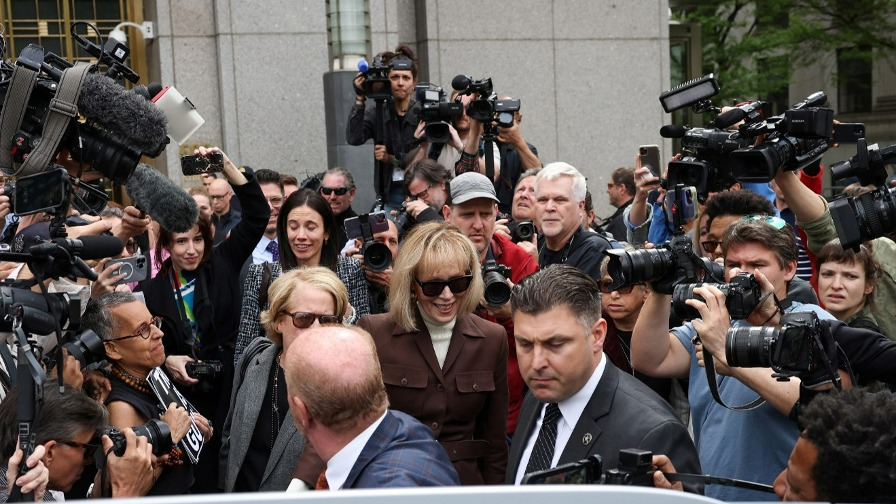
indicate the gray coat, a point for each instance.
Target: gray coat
{"x":241,"y":422}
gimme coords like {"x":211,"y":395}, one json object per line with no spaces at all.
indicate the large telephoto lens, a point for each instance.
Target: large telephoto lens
{"x":864,"y":217}
{"x":683,"y":292}
{"x":750,"y":346}
{"x":377,"y":256}
{"x":638,"y":266}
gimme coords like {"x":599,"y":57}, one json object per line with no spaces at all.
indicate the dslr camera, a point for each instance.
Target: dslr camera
{"x":742,"y":296}
{"x":377,"y":256}
{"x":791,"y":349}
{"x":156,"y":432}
{"x":521,"y":231}
{"x":434,"y":109}
{"x":494,"y":275}
{"x":403,"y":220}
{"x":206,"y":372}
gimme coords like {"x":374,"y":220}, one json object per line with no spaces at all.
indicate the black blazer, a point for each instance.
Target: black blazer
{"x":622,"y":413}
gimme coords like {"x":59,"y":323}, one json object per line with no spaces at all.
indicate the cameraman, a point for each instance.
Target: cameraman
{"x":426,"y":183}
{"x":472,"y":207}
{"x":378,"y":281}
{"x":400,"y":124}
{"x":814,"y":217}
{"x":517,"y":156}
{"x":741,"y":444}
{"x":66,"y":432}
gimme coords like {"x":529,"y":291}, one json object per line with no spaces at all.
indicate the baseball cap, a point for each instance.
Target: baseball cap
{"x":471,"y":185}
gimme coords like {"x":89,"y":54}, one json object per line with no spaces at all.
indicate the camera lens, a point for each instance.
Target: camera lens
{"x":377,"y":256}
{"x":104,"y":152}
{"x":437,"y":132}
{"x":638,"y":266}
{"x":750,"y":346}
{"x":87,"y":348}
{"x":497,"y":292}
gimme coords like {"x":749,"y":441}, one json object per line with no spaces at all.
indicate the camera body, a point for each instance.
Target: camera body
{"x":377,"y":256}
{"x":206,"y":372}
{"x":791,"y":348}
{"x":494,"y":276}
{"x":521,"y":231}
{"x":403,"y":220}
{"x":434,"y":109}
{"x":742,"y":296}
{"x":377,"y":85}
{"x":486,"y":108}
{"x":156,"y":432}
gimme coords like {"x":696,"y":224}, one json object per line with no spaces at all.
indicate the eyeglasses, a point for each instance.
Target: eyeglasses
{"x":605,"y":288}
{"x":304,"y":320}
{"x":276,"y":201}
{"x":340,"y":191}
{"x":424,"y":193}
{"x":144,"y":331}
{"x":457,"y":285}
{"x":710,"y":246}
{"x":775,"y":222}
{"x":89,"y":449}
{"x":217,"y":196}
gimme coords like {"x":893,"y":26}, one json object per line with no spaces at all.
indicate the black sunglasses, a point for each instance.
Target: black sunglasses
{"x":303,"y":320}
{"x":457,"y":285}
{"x":709,"y":246}
{"x":605,"y":288}
{"x":340,"y":191}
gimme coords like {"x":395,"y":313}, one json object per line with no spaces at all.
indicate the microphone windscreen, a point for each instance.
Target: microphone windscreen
{"x":126,"y":113}
{"x":673,"y":131}
{"x":728,"y":118}
{"x":460,"y":82}
{"x":165,"y":201}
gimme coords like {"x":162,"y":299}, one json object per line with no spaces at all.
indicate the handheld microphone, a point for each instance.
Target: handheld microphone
{"x":165,"y":201}
{"x":673,"y":131}
{"x":363,"y":66}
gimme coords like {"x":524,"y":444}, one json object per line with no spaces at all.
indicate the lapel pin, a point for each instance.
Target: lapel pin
{"x":586,"y":439}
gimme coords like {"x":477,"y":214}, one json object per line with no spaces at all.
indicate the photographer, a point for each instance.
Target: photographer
{"x":396,"y":149}
{"x":426,"y":183}
{"x":378,"y":281}
{"x":68,"y":427}
{"x":472,"y":207}
{"x":814,"y":217}
{"x":517,"y":156}
{"x":740,"y":444}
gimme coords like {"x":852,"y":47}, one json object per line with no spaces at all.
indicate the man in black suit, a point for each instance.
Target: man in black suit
{"x":338,"y":400}
{"x":579,"y":404}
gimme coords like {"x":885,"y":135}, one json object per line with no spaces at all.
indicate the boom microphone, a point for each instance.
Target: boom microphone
{"x":460,"y":82}
{"x":728,"y":118}
{"x":161,"y":198}
{"x":128,"y":113}
{"x":85,"y":247}
{"x":673,"y":131}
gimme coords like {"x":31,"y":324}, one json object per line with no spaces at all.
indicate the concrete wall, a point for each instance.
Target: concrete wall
{"x":588,"y":72}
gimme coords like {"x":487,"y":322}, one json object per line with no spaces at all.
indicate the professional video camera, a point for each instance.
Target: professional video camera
{"x":206,"y":372}
{"x":377,"y":256}
{"x":434,"y":109}
{"x":156,"y":432}
{"x":635,"y":469}
{"x":486,"y":108}
{"x":675,"y":262}
{"x":870,"y":215}
{"x":718,"y":157}
{"x":793,"y":349}
{"x":494,"y":275}
{"x":377,"y":85}
{"x":742,"y":296}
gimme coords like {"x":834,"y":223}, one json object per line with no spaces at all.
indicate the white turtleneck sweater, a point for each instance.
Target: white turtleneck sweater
{"x":439,"y":333}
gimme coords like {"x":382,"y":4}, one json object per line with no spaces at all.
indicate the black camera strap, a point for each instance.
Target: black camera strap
{"x":710,"y":366}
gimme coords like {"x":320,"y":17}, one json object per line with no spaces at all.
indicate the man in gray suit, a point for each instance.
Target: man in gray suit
{"x":579,"y":404}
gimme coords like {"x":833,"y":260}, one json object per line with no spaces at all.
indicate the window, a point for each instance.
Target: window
{"x":854,"y":79}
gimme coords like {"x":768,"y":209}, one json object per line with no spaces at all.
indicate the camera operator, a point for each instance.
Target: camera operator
{"x":814,"y":217}
{"x":426,"y":183}
{"x":400,"y":123}
{"x":740,"y":444}
{"x":378,"y":281}
{"x":517,"y":157}
{"x":67,"y":429}
{"x":472,"y":207}
{"x":560,"y":196}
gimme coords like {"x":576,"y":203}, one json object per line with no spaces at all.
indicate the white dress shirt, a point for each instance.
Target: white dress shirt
{"x":341,"y":464}
{"x":261,"y":254}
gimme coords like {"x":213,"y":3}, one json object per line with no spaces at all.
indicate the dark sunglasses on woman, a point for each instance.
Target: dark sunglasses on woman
{"x":303,"y":320}
{"x":457,"y":285}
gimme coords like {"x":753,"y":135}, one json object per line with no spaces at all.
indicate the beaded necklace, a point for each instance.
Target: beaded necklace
{"x":138,"y":384}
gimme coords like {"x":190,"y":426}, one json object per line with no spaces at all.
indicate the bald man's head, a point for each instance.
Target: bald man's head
{"x":219,"y":193}
{"x":335,"y":372}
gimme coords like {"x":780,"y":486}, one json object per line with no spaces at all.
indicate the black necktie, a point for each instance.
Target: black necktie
{"x":543,"y":451}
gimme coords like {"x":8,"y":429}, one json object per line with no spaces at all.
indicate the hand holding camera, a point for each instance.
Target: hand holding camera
{"x":130,"y":473}
{"x":176,"y":365}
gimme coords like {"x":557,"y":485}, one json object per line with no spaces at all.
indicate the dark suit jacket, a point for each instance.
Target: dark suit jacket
{"x":401,"y":453}
{"x":464,"y":403}
{"x":622,"y":413}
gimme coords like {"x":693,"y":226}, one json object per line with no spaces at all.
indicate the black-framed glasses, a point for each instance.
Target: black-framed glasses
{"x":709,"y":246}
{"x":424,"y":193}
{"x":216,"y":197}
{"x":89,"y":449}
{"x":433,"y":288}
{"x":144,"y":331}
{"x":774,"y":221}
{"x":605,"y":287}
{"x":304,"y":320}
{"x":340,"y":191}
